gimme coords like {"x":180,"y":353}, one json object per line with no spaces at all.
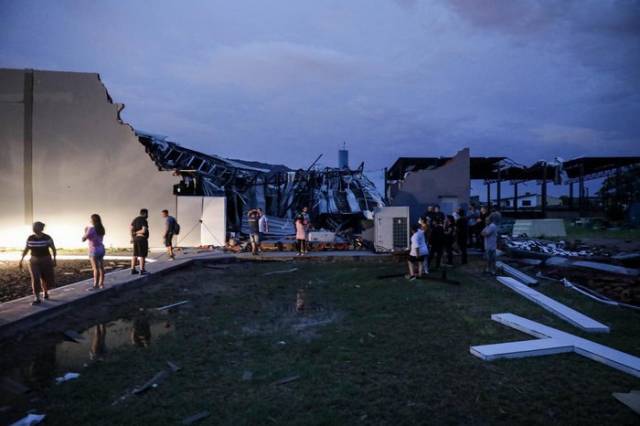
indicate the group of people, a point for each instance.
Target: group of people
{"x":259,"y":226}
{"x":436,"y":234}
{"x":43,"y":251}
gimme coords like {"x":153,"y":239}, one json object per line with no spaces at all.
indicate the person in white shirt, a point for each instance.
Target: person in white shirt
{"x":263,"y":227}
{"x":416,"y":253}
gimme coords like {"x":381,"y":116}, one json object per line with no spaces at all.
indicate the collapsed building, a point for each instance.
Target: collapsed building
{"x":338,"y":198}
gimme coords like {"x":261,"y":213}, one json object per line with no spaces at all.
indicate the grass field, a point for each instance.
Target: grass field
{"x":366,"y":351}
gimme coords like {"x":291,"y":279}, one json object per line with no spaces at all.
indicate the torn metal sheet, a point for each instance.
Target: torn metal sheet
{"x":339,"y":194}
{"x":559,"y":343}
{"x":572,"y":316}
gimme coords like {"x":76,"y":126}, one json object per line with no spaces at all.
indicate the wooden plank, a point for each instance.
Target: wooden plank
{"x":568,"y":314}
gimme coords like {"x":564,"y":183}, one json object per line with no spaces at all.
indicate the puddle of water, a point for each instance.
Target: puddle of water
{"x":54,"y":359}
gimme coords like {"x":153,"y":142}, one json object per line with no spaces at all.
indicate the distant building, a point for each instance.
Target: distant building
{"x":526,"y":201}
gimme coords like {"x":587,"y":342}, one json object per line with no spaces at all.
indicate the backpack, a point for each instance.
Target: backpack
{"x":176,"y":228}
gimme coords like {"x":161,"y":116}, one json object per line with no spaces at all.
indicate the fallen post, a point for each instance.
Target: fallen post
{"x":552,"y":341}
{"x":631,"y":399}
{"x":173,"y":305}
{"x":568,"y":314}
{"x":517,"y":274}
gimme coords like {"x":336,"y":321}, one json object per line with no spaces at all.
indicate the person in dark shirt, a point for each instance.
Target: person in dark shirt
{"x":140,"y":238}
{"x":462,"y":235}
{"x":169,"y":231}
{"x":481,"y":223}
{"x":253,"y":217}
{"x":438,"y":216}
{"x":436,"y":243}
{"x":449,"y":231}
{"x":41,"y":264}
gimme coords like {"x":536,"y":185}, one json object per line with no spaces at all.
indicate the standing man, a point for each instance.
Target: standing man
{"x":436,"y":243}
{"x":307,"y":225}
{"x":140,"y":238}
{"x":490,"y":234}
{"x":253,"y":216}
{"x":438,"y":216}
{"x":263,"y":227}
{"x":462,"y":226}
{"x":169,"y":231}
{"x":482,"y":222}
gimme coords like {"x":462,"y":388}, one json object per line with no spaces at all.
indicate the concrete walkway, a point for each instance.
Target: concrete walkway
{"x":18,"y":315}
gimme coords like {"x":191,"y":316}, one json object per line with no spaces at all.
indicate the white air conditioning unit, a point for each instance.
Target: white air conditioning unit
{"x":391,"y":229}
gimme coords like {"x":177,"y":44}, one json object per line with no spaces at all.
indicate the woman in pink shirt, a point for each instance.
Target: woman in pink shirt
{"x":94,"y":234}
{"x":301,"y":235}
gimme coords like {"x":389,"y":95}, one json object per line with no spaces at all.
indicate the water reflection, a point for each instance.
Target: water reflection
{"x":52,"y":359}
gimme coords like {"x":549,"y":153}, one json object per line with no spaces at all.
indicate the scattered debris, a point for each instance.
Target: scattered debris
{"x":12,"y":386}
{"x":553,"y":341}
{"x":300,"y":300}
{"x":593,"y":295}
{"x":605,"y":267}
{"x":286,"y":380}
{"x":218,"y":267}
{"x":519,"y":275}
{"x":286,"y":271}
{"x":173,"y":305}
{"x":67,"y":377}
{"x":631,"y":399}
{"x":282,"y":343}
{"x":30,"y":419}
{"x":196,"y":418}
{"x":174,"y":367}
{"x":247,"y":376}
{"x":73,"y":336}
{"x":572,"y":316}
{"x":153,"y":383}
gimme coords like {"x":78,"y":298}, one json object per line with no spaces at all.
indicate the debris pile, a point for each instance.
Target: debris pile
{"x":551,"y":248}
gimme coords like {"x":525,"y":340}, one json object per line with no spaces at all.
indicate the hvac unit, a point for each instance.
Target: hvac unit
{"x":391,"y":229}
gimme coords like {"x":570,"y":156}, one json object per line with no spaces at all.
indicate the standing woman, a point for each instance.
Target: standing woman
{"x":40,"y":265}
{"x":94,"y":235}
{"x":301,"y":235}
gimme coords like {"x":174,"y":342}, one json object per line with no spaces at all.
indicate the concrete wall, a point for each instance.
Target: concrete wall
{"x":84,"y":161}
{"x":422,"y":188}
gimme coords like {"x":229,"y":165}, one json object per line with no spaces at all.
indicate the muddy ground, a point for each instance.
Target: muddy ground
{"x":16,"y":283}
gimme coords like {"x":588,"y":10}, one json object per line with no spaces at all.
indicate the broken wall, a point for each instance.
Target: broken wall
{"x":448,"y":186}
{"x":84,"y":161}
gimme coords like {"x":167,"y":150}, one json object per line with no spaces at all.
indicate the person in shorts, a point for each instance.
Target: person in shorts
{"x":94,"y":235}
{"x":417,"y":252}
{"x":169,"y":232}
{"x":490,"y":234}
{"x":140,"y":238}
{"x":41,"y":264}
{"x":253,"y":216}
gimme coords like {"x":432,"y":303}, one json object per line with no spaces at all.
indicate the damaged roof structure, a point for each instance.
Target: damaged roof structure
{"x":337,"y":197}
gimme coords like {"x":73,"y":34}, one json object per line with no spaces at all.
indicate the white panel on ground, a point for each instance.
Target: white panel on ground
{"x":188,"y":216}
{"x":517,"y":274}
{"x":214,"y":221}
{"x":522,"y":349}
{"x":563,"y":311}
{"x":553,"y":340}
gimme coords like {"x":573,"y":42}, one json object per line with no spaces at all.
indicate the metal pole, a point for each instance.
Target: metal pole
{"x":544,"y":190}
{"x":515,"y":198}
{"x":498,"y":190}
{"x":488,"y":195}
{"x":571,"y":195}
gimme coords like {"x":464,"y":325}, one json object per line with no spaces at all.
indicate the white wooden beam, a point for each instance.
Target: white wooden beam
{"x":568,"y":314}
{"x":553,"y":341}
{"x":516,"y":273}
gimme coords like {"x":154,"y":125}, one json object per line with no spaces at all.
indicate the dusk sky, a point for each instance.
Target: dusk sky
{"x":283,"y":81}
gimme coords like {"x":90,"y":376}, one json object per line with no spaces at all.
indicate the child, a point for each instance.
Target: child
{"x":94,"y":234}
{"x":301,"y":235}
